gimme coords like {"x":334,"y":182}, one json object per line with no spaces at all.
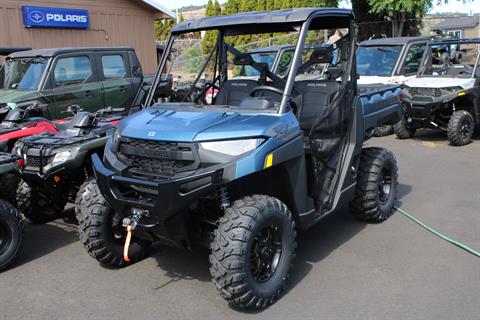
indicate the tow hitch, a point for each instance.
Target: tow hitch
{"x":131,"y":224}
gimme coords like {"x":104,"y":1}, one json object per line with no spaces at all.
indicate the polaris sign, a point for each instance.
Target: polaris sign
{"x":45,"y":17}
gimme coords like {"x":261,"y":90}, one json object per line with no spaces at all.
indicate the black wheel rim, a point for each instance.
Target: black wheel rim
{"x":385,"y":185}
{"x":266,"y":252}
{"x":465,"y":128}
{"x":5,"y":237}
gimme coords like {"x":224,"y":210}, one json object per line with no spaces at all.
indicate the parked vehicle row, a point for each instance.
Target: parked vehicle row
{"x":251,"y":148}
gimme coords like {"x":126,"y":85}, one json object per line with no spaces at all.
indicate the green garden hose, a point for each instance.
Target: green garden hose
{"x":438,"y":234}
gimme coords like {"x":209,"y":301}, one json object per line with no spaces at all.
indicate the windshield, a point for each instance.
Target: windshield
{"x":262,"y":57}
{"x":457,"y":60}
{"x":22,"y":74}
{"x":377,"y":60}
{"x":250,"y":71}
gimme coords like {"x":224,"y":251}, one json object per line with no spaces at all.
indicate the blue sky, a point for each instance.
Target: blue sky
{"x":453,"y":6}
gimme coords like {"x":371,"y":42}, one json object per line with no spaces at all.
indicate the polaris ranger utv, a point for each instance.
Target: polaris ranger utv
{"x":446,"y":93}
{"x":56,"y":165}
{"x":270,"y":157}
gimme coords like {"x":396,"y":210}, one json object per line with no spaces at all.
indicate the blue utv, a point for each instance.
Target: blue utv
{"x":269,"y":157}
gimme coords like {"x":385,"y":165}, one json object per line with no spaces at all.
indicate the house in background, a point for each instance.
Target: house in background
{"x":460,"y":27}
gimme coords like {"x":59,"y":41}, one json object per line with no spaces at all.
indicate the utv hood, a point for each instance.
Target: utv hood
{"x":439,"y":82}
{"x":170,"y":125}
{"x":16,"y":96}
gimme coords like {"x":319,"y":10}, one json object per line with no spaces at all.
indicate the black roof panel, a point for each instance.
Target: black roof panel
{"x":50,"y":52}
{"x":256,"y":19}
{"x":455,"y":41}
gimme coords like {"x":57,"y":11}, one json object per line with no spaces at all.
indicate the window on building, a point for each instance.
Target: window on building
{"x":72,"y":70}
{"x":455,"y":34}
{"x":113,"y":66}
{"x":414,"y":58}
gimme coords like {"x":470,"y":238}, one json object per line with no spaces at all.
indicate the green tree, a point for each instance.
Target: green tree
{"x":217,"y":8}
{"x":162,"y":29}
{"x":210,"y":37}
{"x":232,"y":7}
{"x":399,"y":10}
{"x":261,"y":5}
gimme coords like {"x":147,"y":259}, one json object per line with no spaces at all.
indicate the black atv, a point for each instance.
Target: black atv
{"x":55,"y":166}
{"x":11,"y":227}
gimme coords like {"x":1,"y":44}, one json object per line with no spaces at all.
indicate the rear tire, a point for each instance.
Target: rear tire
{"x":8,"y":187}
{"x":252,"y":252}
{"x":402,"y":130}
{"x":377,"y":185}
{"x":383,"y":131}
{"x":461,"y":127}
{"x":11,"y":233}
{"x":101,"y":236}
{"x":35,"y":208}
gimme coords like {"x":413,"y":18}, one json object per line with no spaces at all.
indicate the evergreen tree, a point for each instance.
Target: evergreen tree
{"x":210,"y":37}
{"x":261,"y":5}
{"x":270,"y":5}
{"x":217,"y":8}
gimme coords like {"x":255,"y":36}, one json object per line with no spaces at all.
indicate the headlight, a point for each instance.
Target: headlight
{"x":17,"y":149}
{"x":232,"y":147}
{"x":61,"y":157}
{"x":116,"y":138}
{"x":113,"y":142}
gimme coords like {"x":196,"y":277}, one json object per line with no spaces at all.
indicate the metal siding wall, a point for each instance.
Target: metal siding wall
{"x":126,"y":23}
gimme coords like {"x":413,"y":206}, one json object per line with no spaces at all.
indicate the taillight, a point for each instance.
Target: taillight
{"x":21,"y":163}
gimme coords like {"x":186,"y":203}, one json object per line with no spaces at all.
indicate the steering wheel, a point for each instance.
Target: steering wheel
{"x":266,"y":88}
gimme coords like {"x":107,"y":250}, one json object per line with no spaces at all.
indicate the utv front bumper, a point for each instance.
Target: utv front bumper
{"x":163,"y":200}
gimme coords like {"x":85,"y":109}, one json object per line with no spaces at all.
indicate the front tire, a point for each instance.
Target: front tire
{"x":11,"y":233}
{"x":101,"y":232}
{"x":252,"y":251}
{"x":35,"y":208}
{"x":460,"y":128}
{"x":377,"y":185}
{"x":402,"y":130}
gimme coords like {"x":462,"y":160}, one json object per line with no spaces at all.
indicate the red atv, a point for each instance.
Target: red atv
{"x":20,"y":123}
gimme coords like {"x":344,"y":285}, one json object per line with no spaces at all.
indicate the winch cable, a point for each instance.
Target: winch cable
{"x":438,"y":234}
{"x":127,"y":244}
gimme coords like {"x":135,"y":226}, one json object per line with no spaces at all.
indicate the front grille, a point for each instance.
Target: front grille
{"x":35,"y":162}
{"x":156,"y":158}
{"x":425,"y":92}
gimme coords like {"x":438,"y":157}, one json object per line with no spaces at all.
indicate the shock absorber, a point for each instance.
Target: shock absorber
{"x":222,"y":197}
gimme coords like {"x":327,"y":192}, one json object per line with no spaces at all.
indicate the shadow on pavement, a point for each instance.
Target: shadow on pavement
{"x":181,"y":264}
{"x":314,"y":245}
{"x":42,"y":239}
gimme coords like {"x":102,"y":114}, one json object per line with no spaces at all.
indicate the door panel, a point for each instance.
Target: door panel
{"x":75,"y":81}
{"x":117,"y":81}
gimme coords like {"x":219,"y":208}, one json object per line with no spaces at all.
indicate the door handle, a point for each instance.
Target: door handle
{"x":123,"y":89}
{"x":89,"y":93}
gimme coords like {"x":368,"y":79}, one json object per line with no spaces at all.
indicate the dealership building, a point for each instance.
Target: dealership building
{"x":83,"y":23}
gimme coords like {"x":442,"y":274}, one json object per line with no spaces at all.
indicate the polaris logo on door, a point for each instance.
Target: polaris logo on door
{"x":46,"y":17}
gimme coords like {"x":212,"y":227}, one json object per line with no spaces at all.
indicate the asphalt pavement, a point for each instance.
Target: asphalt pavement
{"x":344,"y":269}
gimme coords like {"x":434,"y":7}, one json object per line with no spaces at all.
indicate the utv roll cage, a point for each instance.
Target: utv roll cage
{"x":427,"y":58}
{"x":289,"y":20}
